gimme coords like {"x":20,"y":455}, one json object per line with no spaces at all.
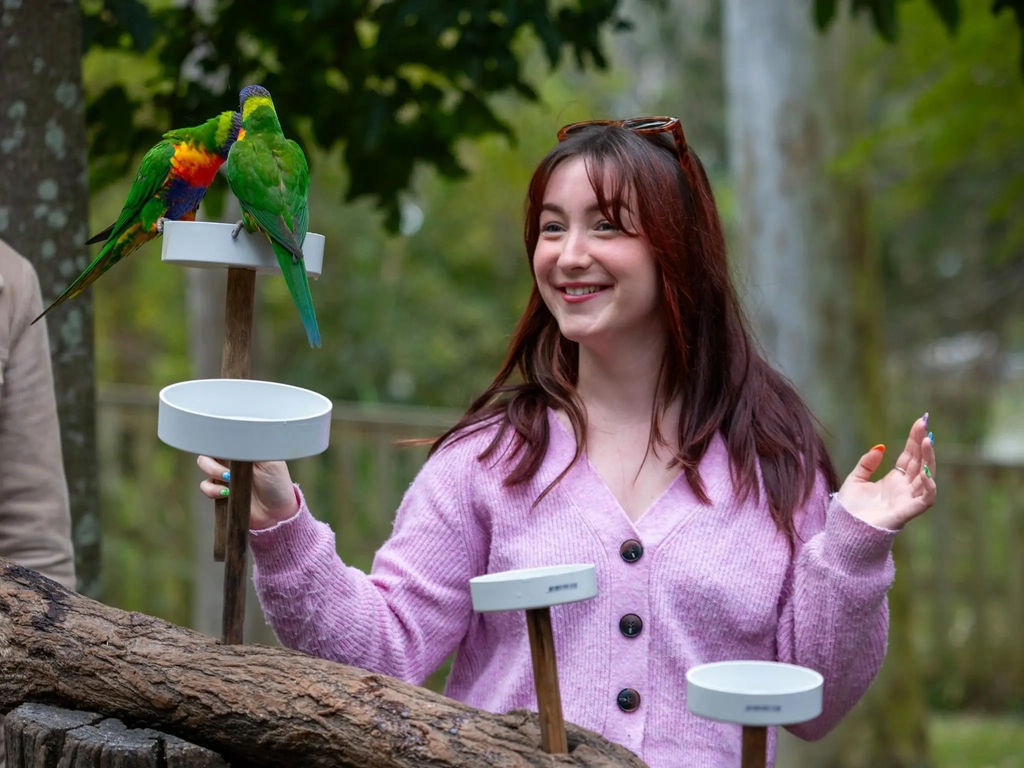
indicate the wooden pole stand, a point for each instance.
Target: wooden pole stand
{"x":755,"y":746}
{"x":231,"y":519}
{"x":545,"y":674}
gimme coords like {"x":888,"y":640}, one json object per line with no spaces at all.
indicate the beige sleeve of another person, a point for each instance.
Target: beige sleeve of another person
{"x":35,"y":520}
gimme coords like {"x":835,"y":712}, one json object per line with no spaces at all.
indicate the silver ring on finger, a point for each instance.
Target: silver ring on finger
{"x":900,"y":469}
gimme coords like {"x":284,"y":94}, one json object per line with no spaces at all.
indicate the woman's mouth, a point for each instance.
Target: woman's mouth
{"x":574,"y":294}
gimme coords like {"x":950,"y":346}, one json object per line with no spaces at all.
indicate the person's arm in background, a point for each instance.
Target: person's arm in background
{"x":35,"y":520}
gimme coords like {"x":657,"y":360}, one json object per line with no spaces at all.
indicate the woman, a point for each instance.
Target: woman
{"x":633,"y":426}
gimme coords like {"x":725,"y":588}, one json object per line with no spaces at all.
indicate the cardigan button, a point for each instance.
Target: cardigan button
{"x":630,"y":625}
{"x":631,"y":550}
{"x":628,"y":700}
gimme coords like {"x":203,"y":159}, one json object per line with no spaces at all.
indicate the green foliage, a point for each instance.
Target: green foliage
{"x":974,"y":741}
{"x":885,"y":16}
{"x":945,"y":168}
{"x":393,"y":83}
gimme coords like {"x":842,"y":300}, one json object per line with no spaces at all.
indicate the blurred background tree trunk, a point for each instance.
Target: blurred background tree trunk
{"x":44,"y":215}
{"x":813,"y":292}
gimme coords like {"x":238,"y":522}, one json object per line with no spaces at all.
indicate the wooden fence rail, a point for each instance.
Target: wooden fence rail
{"x":966,"y":557}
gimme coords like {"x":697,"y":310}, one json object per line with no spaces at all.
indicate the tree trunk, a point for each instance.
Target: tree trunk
{"x":252,"y":704}
{"x":44,"y":215}
{"x":782,"y":132}
{"x":813,"y":289}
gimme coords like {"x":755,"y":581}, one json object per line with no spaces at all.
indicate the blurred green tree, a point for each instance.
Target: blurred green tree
{"x":394,"y":83}
{"x":885,"y":16}
{"x":943,"y":154}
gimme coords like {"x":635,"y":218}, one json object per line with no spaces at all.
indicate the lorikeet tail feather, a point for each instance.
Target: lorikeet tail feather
{"x":298,"y":286}
{"x":112,"y":252}
{"x":99,"y":236}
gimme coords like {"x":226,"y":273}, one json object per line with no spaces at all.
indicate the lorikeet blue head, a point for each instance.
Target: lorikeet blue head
{"x":252,"y":97}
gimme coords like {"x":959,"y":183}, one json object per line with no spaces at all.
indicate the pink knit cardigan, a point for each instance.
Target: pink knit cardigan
{"x":684,"y":585}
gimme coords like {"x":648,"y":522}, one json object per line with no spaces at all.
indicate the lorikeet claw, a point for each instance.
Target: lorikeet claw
{"x":160,"y":224}
{"x":238,"y":228}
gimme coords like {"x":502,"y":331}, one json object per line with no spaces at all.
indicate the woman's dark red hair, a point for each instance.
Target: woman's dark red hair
{"x":711,"y":364}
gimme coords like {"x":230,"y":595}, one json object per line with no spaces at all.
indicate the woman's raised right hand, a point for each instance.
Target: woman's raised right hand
{"x":273,"y":495}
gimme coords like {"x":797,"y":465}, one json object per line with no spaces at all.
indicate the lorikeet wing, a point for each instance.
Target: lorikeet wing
{"x":271,"y":183}
{"x":128,"y":233}
{"x":152,"y":174}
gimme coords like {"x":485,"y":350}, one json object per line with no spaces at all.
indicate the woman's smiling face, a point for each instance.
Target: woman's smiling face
{"x":600,"y":283}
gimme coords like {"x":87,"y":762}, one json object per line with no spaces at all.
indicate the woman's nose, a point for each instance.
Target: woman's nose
{"x":575,"y":254}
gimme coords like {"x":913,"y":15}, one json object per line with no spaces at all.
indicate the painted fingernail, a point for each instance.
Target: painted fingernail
{"x":879,"y":447}
{"x":227,"y":477}
{"x":931,"y":438}
{"x":926,"y":420}
{"x":224,"y":492}
{"x":927,"y":472}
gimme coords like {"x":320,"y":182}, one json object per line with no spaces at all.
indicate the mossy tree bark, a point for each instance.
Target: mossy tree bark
{"x":44,"y":216}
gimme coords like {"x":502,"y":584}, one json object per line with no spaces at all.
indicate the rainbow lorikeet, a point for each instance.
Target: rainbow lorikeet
{"x":170,"y":184}
{"x":270,"y":177}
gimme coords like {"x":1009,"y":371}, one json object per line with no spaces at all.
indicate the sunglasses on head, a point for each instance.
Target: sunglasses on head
{"x":643,"y":125}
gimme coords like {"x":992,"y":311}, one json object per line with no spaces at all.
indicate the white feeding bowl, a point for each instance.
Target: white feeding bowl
{"x":243,"y":419}
{"x":533,"y":587}
{"x":754,"y":692}
{"x":209,"y":244}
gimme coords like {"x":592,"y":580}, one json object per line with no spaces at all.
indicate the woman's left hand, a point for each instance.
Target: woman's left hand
{"x":905,"y":492}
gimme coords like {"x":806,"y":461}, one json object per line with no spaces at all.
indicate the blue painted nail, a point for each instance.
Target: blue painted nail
{"x":227,"y":477}
{"x":931,"y":438}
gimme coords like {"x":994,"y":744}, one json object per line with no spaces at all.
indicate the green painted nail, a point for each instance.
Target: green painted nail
{"x":224,"y":492}
{"x":927,"y":472}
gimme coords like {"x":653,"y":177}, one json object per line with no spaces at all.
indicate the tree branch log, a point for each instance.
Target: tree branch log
{"x":254,"y":705}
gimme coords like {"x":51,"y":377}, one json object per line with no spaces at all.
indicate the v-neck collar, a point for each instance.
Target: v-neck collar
{"x":674,"y":507}
{"x":586,"y":465}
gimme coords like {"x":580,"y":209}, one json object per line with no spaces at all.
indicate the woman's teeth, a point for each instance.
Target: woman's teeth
{"x":583,"y":291}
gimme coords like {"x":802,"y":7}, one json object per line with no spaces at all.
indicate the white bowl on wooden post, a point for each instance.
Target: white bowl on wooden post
{"x":535,"y":590}
{"x":225,"y":419}
{"x":754,"y":694}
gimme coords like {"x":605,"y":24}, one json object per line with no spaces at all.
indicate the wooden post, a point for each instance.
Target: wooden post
{"x":231,"y":535}
{"x":755,"y":746}
{"x":545,"y":673}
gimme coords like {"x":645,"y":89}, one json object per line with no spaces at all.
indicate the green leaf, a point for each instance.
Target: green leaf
{"x":949,"y":12}
{"x":883,"y":14}
{"x":824,"y":12}
{"x":1017,"y":6}
{"x":134,"y":18}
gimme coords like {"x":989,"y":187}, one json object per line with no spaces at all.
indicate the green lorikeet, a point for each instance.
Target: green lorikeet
{"x":170,"y":184}
{"x":270,"y":177}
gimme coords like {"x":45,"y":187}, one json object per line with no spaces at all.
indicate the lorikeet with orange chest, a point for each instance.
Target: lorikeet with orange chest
{"x":170,"y":184}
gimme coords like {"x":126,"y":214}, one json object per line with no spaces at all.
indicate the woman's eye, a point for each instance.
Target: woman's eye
{"x":606,"y":226}
{"x":551,"y":227}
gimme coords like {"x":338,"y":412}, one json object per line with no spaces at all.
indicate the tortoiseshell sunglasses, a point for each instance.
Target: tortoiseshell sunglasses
{"x":639,"y":125}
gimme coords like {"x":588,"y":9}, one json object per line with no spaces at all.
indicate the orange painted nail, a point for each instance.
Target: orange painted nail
{"x":879,"y":447}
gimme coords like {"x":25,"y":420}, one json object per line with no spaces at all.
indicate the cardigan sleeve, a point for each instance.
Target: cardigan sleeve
{"x":410,"y":612}
{"x":834,"y":615}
